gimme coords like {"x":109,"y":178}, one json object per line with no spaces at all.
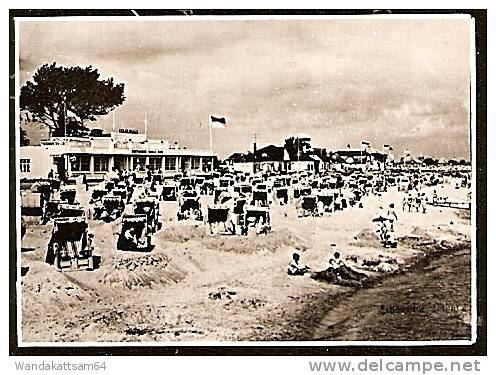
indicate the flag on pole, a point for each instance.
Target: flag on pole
{"x":218,"y":121}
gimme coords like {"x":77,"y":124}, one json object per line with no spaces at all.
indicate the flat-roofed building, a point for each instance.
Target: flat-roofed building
{"x":122,"y":150}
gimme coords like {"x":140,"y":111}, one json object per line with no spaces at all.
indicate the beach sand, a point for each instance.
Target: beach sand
{"x":194,"y":286}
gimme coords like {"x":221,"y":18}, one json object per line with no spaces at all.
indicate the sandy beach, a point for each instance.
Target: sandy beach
{"x":195,"y":286}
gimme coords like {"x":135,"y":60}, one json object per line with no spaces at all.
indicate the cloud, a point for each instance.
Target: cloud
{"x":342,"y":81}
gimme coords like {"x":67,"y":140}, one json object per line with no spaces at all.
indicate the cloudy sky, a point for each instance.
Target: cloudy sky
{"x":402,"y":82}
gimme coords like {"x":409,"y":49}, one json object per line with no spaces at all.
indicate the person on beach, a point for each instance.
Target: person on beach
{"x":391,"y":216}
{"x":130,"y":180}
{"x":261,"y":227}
{"x":341,"y":270}
{"x":294,"y":268}
{"x":320,"y":208}
{"x":405,"y":202}
{"x":131,"y":238}
{"x":380,"y":219}
{"x":335,"y":261}
{"x":418,"y":200}
{"x":423,"y":203}
{"x":411,"y":200}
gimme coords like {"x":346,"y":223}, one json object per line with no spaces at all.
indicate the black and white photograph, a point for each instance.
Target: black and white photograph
{"x":247,"y":179}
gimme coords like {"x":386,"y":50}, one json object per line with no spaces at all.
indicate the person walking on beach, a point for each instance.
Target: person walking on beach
{"x":380,"y":219}
{"x":410,"y":200}
{"x":418,"y":200}
{"x":423,"y":203}
{"x":391,"y":217}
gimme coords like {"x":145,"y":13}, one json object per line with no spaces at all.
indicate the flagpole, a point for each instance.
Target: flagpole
{"x":211,"y":143}
{"x":146,"y":127}
{"x":65,"y":120}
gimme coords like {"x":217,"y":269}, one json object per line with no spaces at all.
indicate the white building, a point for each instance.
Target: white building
{"x":123,"y":150}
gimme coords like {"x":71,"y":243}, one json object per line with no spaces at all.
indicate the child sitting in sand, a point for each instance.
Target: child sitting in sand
{"x":341,"y":270}
{"x":294,"y":268}
{"x":335,"y":261}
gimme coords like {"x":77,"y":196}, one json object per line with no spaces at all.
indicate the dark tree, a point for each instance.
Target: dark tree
{"x":24,"y":137}
{"x":430,"y":161}
{"x":54,"y":90}
{"x":295,"y":146}
{"x":291,"y":147}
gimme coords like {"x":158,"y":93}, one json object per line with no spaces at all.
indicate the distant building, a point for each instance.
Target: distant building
{"x":407,"y":158}
{"x":99,"y":152}
{"x":363,"y":158}
{"x":295,"y":155}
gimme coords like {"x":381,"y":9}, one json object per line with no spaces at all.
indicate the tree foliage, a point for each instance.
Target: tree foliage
{"x":430,"y":161}
{"x":24,"y":137}
{"x":54,"y":90}
{"x":295,"y":146}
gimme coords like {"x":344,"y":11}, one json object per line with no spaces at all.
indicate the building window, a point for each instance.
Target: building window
{"x":80,"y":163}
{"x":195,"y":163}
{"x":155,"y":162}
{"x":120,"y":162}
{"x":101,"y":163}
{"x":25,"y":165}
{"x":170,"y":164}
{"x":139,"y":163}
{"x":207,"y":164}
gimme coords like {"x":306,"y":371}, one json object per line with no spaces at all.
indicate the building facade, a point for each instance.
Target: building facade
{"x":294,"y":156}
{"x":122,"y":150}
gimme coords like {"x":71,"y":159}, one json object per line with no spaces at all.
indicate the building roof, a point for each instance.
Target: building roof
{"x":270,"y":153}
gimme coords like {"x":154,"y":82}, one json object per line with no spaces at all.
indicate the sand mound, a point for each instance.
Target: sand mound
{"x":272,"y":242}
{"x":418,"y":238}
{"x":144,"y":271}
{"x":50,"y":292}
{"x":366,"y":238}
{"x":463,"y":214}
{"x":36,"y":238}
{"x":453,"y":232}
{"x":420,"y":232}
{"x":237,"y":244}
{"x":182,"y":233}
